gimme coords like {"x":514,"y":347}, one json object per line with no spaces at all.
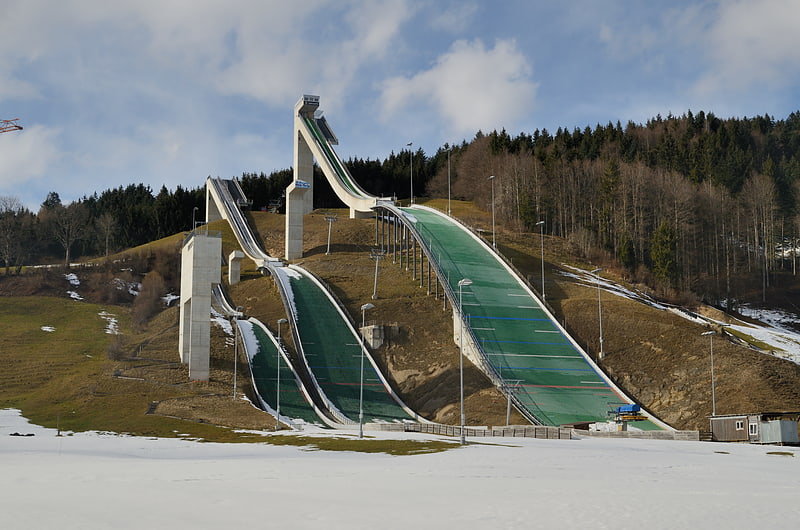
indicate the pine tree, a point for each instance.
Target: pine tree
{"x":663,"y":255}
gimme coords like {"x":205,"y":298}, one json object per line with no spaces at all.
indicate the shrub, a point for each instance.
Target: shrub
{"x":148,"y":303}
{"x":116,"y":348}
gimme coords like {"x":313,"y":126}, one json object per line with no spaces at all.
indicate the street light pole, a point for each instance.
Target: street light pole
{"x":463,"y":282}
{"x":494,"y":241}
{"x":194,"y":224}
{"x":599,"y":310}
{"x":713,"y":389}
{"x":235,"y":357}
{"x":278,"y":385}
{"x":449,"y":148}
{"x":361,"y":386}
{"x":411,"y":158}
{"x":540,"y":224}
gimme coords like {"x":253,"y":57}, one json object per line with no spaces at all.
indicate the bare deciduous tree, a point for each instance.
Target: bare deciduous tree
{"x":11,"y":211}
{"x":759,"y":197}
{"x":67,"y":224}
{"x":106,"y":226}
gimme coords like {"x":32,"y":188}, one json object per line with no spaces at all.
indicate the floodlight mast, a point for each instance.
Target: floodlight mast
{"x":330,"y":219}
{"x":713,"y":385}
{"x":278,"y":384}
{"x":464,"y":282}
{"x":364,"y":308}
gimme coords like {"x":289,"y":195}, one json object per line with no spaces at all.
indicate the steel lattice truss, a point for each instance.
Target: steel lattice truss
{"x":9,"y":125}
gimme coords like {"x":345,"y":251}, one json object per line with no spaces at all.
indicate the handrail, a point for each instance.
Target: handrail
{"x":343,"y":184}
{"x":238,"y":223}
{"x":224,"y":302}
{"x":482,"y":359}
{"x":335,"y":162}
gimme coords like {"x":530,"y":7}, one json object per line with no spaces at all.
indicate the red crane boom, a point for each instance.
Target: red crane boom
{"x":9,"y":125}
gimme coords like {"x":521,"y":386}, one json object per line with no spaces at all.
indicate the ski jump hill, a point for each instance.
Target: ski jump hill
{"x":499,"y":322}
{"x":324,"y":384}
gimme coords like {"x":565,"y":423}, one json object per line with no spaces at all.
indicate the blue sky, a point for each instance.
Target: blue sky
{"x":167,"y":92}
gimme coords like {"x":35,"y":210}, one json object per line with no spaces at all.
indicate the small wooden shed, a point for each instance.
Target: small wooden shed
{"x":758,"y":428}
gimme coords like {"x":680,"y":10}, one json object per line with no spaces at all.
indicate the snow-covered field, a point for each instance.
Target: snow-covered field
{"x":90,"y":480}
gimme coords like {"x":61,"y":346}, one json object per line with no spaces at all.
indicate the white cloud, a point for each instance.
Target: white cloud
{"x":320,"y":47}
{"x":13,"y":88}
{"x":647,"y":36}
{"x":470,"y":87}
{"x":271,"y":51}
{"x":27,"y":155}
{"x":173,"y":90}
{"x":606,"y":34}
{"x":752,"y":43}
{"x":375,"y":25}
{"x":455,"y":18}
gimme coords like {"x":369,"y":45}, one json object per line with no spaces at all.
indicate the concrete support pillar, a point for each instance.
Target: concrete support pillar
{"x":295,"y":203}
{"x":200,"y":271}
{"x":384,"y":232}
{"x":413,"y":256}
{"x":400,"y":242}
{"x":393,"y":236}
{"x":212,"y":212}
{"x":355,"y":214}
{"x":304,"y":167}
{"x":235,"y":266}
{"x":404,"y":246}
{"x":300,"y":193}
{"x":428,"y":277}
{"x":469,"y":348}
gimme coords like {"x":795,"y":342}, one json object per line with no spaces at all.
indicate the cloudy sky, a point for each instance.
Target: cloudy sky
{"x":167,"y":92}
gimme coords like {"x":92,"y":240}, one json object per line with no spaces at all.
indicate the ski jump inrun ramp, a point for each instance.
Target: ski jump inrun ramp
{"x":323,"y":384}
{"x":507,"y":331}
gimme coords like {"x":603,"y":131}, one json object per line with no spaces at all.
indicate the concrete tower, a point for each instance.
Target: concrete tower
{"x":300,"y":193}
{"x":200,"y":271}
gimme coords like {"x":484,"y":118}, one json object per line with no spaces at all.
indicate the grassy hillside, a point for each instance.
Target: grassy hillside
{"x":80,"y":377}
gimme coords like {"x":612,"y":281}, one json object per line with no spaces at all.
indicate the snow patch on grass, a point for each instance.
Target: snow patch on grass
{"x":773,"y":330}
{"x":168,"y":299}
{"x":133,"y":288}
{"x":608,"y":286}
{"x":112,"y":327}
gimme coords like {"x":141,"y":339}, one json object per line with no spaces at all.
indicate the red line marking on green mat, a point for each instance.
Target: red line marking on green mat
{"x":566,"y":386}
